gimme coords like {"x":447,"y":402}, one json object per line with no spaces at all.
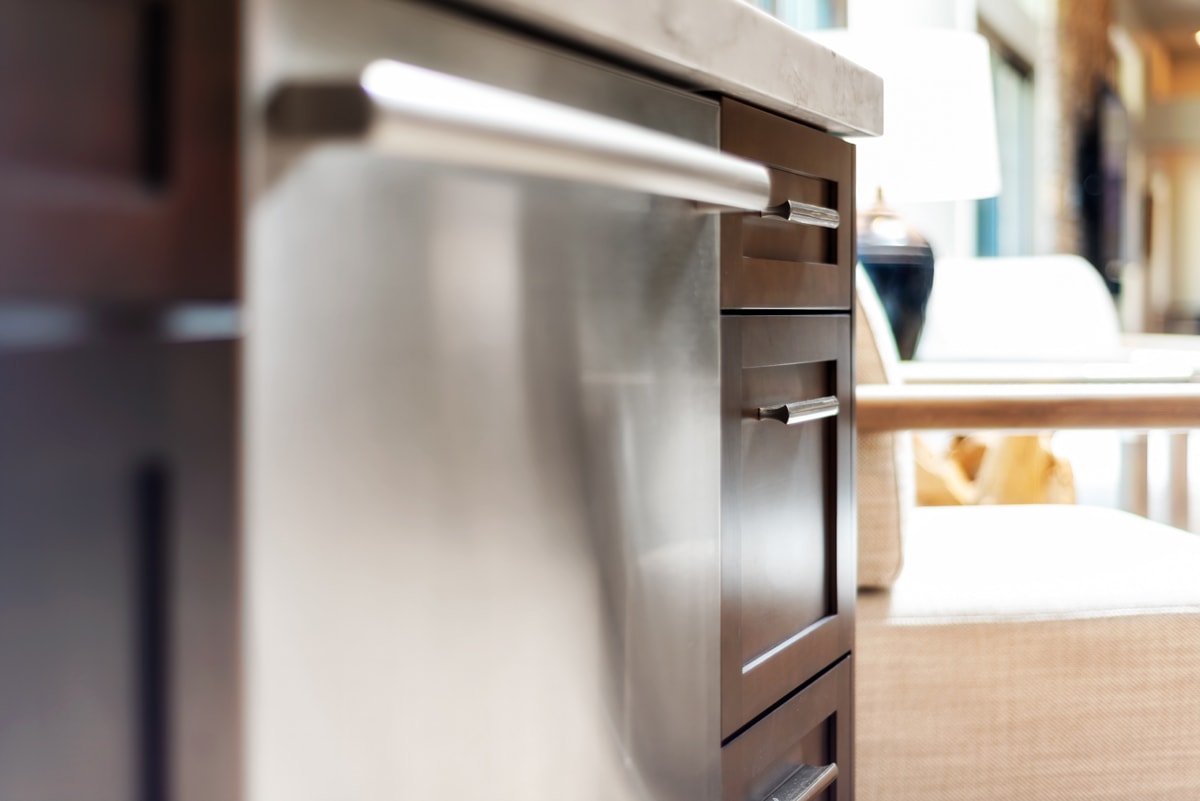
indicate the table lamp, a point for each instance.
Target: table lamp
{"x":939,"y":144}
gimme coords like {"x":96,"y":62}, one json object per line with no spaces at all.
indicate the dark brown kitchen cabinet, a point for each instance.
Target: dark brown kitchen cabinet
{"x":117,"y":153}
{"x":769,"y":264}
{"x":118,"y":578}
{"x":787,"y":586}
{"x":119,"y":412}
{"x":787,"y":514}
{"x":805,"y":744}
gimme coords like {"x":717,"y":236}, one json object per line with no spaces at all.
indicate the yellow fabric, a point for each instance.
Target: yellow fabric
{"x":995,"y":469}
{"x":941,"y":480}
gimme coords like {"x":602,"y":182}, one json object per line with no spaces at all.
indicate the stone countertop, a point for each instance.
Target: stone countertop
{"x":725,"y":46}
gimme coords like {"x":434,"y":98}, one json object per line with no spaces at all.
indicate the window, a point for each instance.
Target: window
{"x":806,"y":15}
{"x":1006,"y":222}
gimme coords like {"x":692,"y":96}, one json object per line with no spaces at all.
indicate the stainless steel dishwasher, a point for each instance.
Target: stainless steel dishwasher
{"x":482,"y":414}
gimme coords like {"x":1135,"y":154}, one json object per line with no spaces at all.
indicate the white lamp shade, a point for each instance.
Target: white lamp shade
{"x":939,"y":117}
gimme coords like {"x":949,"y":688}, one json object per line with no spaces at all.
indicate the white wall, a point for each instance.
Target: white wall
{"x":1184,"y":172}
{"x":916,"y":14}
{"x":1158,"y":272}
{"x":1173,"y":124}
{"x":1172,"y":137}
{"x":1169,"y":164}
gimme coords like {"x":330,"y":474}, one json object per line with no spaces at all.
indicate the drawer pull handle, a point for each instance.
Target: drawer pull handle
{"x":805,"y":784}
{"x":801,"y":411}
{"x":804,"y":214}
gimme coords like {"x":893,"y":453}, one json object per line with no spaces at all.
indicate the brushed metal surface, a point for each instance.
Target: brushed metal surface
{"x":527,"y":597}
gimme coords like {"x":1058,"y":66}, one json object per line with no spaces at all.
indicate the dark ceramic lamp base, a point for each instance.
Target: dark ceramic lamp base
{"x":899,"y":262}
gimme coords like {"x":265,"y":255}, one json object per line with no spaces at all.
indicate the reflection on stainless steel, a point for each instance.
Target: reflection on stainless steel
{"x":804,"y":214}
{"x":531,"y":592}
{"x":801,"y":411}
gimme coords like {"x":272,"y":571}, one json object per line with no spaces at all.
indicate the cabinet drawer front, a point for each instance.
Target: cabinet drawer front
{"x":799,"y":751}
{"x":119,"y":150}
{"x":787,"y":566}
{"x":771,"y":263}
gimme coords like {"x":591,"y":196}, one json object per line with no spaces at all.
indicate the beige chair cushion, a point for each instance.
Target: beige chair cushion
{"x":884,"y":467}
{"x":971,"y":311}
{"x":1036,"y":652}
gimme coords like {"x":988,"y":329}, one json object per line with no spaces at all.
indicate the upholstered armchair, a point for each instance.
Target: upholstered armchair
{"x":1052,"y":318}
{"x":1044,"y":653}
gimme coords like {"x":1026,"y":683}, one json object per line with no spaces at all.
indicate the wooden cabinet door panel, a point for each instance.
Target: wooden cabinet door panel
{"x":806,"y":741}
{"x":772,"y":264}
{"x":786,"y":529}
{"x":118,"y":152}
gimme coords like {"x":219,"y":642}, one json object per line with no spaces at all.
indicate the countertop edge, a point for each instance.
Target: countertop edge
{"x":724,"y":46}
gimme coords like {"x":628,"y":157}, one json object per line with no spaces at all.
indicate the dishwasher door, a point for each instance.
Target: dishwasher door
{"x":482,"y":427}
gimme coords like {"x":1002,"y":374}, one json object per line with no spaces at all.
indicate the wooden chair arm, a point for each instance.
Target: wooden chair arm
{"x":1150,"y":371}
{"x":1027,"y":407}
{"x":1167,"y":342}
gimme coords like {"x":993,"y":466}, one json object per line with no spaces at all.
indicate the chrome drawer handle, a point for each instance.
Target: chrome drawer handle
{"x":805,"y":784}
{"x":801,"y":411}
{"x":804,"y":214}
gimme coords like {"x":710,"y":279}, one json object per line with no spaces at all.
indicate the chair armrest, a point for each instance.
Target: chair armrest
{"x":1027,"y":407}
{"x":1149,"y":371}
{"x":1162,"y":350}
{"x":1170,"y":342}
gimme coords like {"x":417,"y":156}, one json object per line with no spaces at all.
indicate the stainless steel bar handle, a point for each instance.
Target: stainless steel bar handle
{"x":801,"y":411}
{"x":805,"y":784}
{"x":425,"y":114}
{"x":804,"y":214}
